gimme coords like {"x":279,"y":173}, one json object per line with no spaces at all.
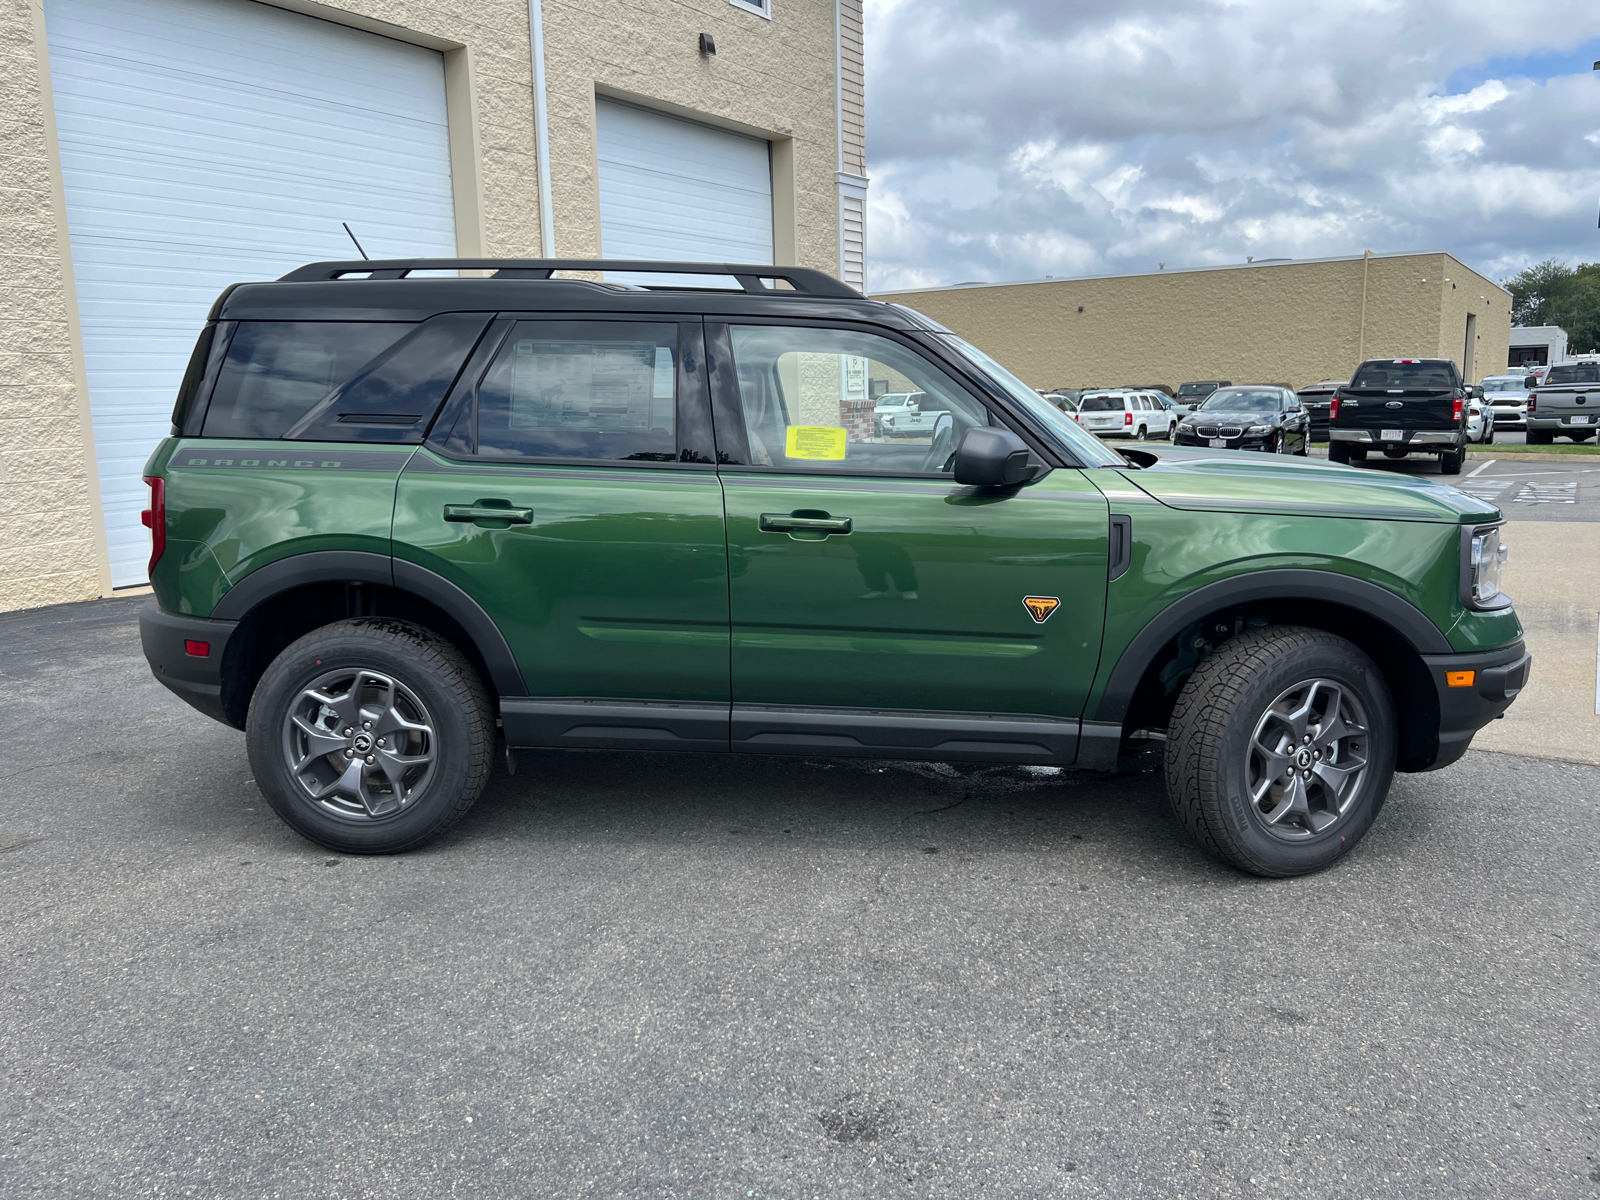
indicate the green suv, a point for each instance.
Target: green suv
{"x":401,"y":520}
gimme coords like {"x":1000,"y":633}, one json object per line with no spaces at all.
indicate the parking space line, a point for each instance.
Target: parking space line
{"x":1485,"y":467}
{"x":1597,"y":668}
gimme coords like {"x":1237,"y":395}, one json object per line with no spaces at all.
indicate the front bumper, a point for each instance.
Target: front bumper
{"x":1255,"y":441}
{"x":1497,"y":677}
{"x":196,"y":679}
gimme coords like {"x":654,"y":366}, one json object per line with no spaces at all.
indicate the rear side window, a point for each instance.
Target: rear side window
{"x":276,"y":371}
{"x":1574,"y":373}
{"x":591,"y":390}
{"x":1417,"y":376}
{"x":1102,"y":404}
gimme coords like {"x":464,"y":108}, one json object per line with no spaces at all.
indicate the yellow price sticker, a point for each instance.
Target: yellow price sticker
{"x":817,"y":442}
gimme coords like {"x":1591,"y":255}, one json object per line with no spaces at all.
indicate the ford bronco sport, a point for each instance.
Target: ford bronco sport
{"x":401,"y":522}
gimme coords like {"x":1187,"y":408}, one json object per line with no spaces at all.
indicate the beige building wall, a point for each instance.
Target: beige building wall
{"x":776,"y":78}
{"x":1288,"y":322}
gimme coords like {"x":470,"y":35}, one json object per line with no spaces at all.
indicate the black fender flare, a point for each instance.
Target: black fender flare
{"x":1399,"y":614}
{"x":359,"y":566}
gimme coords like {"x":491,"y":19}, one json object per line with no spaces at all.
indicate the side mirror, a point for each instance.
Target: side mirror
{"x":990,"y":457}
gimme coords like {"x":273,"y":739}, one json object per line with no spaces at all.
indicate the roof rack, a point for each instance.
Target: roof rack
{"x":752,"y":278}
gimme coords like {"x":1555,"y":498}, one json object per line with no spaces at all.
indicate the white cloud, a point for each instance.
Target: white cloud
{"x":1017,"y":138}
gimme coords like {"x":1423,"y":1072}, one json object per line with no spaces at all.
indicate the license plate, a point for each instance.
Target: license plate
{"x":1583,"y":420}
{"x":1222,"y":442}
{"x":1390,"y":435}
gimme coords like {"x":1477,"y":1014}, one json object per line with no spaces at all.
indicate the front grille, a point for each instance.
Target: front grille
{"x":1231,"y":431}
{"x":1206,"y":431}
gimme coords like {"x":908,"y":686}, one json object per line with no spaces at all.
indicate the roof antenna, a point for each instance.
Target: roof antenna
{"x":346,"y":225}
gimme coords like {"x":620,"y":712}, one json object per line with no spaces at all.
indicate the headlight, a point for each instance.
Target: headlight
{"x":1259,"y":429}
{"x":1483,"y":560}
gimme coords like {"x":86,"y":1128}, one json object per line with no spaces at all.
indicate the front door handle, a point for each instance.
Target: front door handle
{"x":788,"y":523}
{"x":489,"y":510}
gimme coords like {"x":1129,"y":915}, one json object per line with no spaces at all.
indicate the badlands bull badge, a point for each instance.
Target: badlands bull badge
{"x":1040,"y":607}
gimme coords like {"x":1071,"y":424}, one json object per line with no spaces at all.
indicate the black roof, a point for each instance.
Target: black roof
{"x":381,"y":290}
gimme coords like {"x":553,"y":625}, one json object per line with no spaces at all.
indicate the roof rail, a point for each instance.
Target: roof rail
{"x":804,"y":280}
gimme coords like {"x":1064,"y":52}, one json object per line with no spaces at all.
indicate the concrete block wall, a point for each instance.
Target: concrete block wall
{"x":1291,"y":322}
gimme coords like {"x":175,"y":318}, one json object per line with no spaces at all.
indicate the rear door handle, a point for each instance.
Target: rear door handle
{"x":784,"y":523}
{"x":483,"y":510}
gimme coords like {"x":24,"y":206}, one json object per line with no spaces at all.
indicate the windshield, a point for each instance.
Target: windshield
{"x":1504,"y":385}
{"x":1243,"y":400}
{"x":1196,"y":389}
{"x":1574,"y":373}
{"x":893,"y":401}
{"x":1085,"y":447}
{"x":1399,"y":374}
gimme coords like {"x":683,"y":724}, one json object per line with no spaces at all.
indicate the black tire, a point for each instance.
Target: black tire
{"x":1210,"y":760}
{"x":1142,"y":434}
{"x":1339,"y":452}
{"x":1539,"y":437}
{"x":1488,"y":438}
{"x":1450,"y":461}
{"x":430,"y":687}
{"x":1357,"y":454}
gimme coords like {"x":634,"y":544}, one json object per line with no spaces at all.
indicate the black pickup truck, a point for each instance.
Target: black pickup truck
{"x":1401,"y":406}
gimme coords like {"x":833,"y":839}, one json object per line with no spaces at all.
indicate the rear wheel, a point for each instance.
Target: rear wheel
{"x":1142,"y":435}
{"x":1339,"y":452}
{"x":370,"y":736}
{"x":1539,"y":437}
{"x":1281,"y":750}
{"x":1450,"y":461}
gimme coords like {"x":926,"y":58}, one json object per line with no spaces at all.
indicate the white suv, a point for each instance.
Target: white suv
{"x":1123,"y":412}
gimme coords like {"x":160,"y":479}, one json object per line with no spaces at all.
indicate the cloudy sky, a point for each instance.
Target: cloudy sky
{"x":1013,"y":139}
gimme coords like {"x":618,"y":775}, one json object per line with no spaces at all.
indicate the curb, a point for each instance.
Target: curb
{"x":1511,"y":457}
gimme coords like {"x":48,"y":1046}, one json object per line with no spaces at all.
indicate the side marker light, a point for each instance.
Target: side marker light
{"x":1460,"y":678}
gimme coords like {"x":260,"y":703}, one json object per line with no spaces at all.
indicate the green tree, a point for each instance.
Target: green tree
{"x":1552,"y":293}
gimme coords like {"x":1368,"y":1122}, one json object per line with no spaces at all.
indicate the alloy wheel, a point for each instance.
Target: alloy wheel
{"x":1307,"y":759}
{"x":359,"y":744}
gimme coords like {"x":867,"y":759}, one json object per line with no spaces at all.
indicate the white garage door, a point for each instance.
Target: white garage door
{"x":675,"y":189}
{"x":205,"y":142}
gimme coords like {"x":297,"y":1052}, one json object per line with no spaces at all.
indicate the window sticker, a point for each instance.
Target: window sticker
{"x":817,"y":442}
{"x":590,"y":386}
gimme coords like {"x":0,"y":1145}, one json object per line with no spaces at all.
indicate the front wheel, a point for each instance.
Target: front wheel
{"x":1281,"y":749}
{"x":370,"y":736}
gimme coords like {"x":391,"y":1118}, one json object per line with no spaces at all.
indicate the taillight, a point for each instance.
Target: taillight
{"x":155,"y":519}
{"x":1127,"y":418}
{"x":1455,"y":409}
{"x":1333,"y":409}
{"x":1533,"y":402}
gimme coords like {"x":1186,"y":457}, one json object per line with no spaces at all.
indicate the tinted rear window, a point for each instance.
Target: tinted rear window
{"x":1196,"y":389}
{"x":1431,"y":376}
{"x":277,"y":370}
{"x":1101,"y":404}
{"x":1574,"y":373}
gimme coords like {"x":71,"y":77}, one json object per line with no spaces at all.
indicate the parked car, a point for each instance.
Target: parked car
{"x":1246,"y":417}
{"x":430,"y":522}
{"x":1191,"y":394}
{"x":1401,"y":406}
{"x":1317,"y":399}
{"x":1567,"y":403}
{"x":1121,"y":413}
{"x":1508,"y":395}
{"x":1480,"y":417}
{"x":1067,"y":402}
{"x":893,"y":404}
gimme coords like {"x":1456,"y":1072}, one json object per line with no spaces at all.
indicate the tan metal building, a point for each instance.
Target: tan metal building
{"x":1282,"y":321}
{"x":158,"y":150}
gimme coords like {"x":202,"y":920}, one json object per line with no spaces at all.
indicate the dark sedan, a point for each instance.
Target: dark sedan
{"x":1270,"y":419}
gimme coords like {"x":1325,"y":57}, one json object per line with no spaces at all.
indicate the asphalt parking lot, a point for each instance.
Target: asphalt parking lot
{"x":653,"y":976}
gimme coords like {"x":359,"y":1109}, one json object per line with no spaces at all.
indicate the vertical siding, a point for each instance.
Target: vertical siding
{"x":852,"y":88}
